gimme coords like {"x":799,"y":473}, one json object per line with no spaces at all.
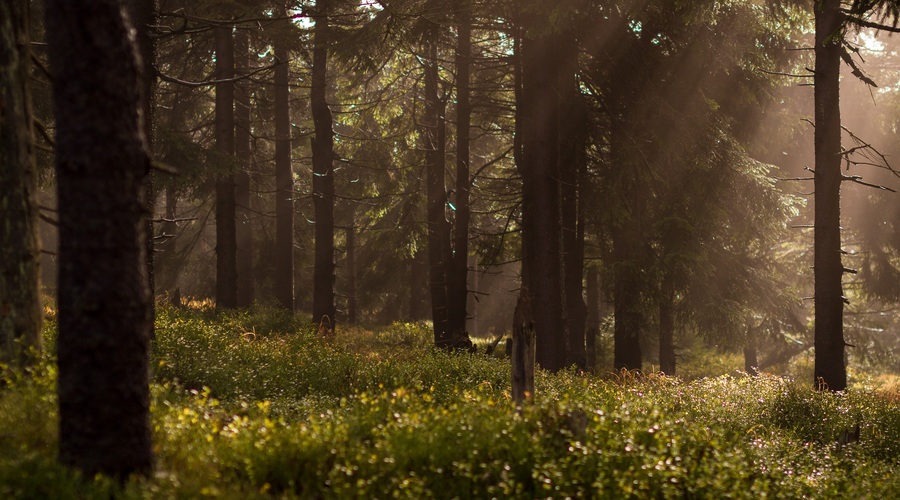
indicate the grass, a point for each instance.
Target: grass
{"x":255,"y":405}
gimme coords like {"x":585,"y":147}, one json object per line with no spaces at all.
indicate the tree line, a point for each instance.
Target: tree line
{"x":621,"y":152}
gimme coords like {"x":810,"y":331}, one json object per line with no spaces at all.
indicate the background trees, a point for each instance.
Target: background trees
{"x":389,"y":156}
{"x":21,"y":314}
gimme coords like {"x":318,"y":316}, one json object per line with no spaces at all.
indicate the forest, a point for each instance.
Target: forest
{"x":449,"y":249}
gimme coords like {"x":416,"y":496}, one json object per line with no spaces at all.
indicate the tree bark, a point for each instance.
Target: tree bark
{"x":626,"y":242}
{"x":438,"y":226}
{"x":351,"y":274}
{"x":457,"y":283}
{"x":573,"y":136}
{"x":830,"y":371}
{"x":523,"y":352}
{"x":284,"y":185}
{"x":323,"y":176}
{"x":104,"y":300}
{"x":592,"y":316}
{"x":667,"y":328}
{"x":226,"y":238}
{"x":751,"y":363}
{"x":242,"y":149}
{"x":542,"y":217}
{"x":20,"y":298}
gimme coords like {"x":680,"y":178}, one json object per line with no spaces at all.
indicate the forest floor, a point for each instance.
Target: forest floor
{"x":255,"y":405}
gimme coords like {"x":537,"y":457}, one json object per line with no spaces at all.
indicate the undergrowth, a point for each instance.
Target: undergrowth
{"x":256,"y":405}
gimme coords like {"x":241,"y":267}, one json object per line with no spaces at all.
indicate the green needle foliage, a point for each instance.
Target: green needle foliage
{"x":254,"y":405}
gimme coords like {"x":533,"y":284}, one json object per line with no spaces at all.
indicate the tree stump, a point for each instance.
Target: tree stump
{"x":523,"y":352}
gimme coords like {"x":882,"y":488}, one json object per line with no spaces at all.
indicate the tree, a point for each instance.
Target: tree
{"x":434,"y":135}
{"x":458,"y":267}
{"x":101,"y":165}
{"x":547,"y":83}
{"x":242,"y":150}
{"x":829,"y":295}
{"x":284,"y":183}
{"x":20,"y":302}
{"x":226,"y":231}
{"x":323,"y":174}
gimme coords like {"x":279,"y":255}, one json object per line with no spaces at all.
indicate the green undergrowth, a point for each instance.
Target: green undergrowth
{"x":256,"y":405}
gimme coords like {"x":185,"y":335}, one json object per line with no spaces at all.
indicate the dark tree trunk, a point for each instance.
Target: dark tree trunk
{"x":20,"y":299}
{"x":438,"y":226}
{"x":242,"y":149}
{"x":226,"y":238}
{"x":667,"y":328}
{"x":592,"y":316}
{"x":101,"y":166}
{"x":284,"y":185}
{"x":323,"y":176}
{"x":457,"y":275}
{"x":751,"y":362}
{"x":542,"y":217}
{"x":830,"y":370}
{"x":572,"y":171}
{"x":626,"y":240}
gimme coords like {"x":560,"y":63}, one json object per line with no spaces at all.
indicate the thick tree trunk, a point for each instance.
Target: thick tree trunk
{"x":284,"y":185}
{"x":626,"y":240}
{"x":572,"y":171}
{"x":667,"y":329}
{"x":323,"y":177}
{"x":101,"y":165}
{"x":830,"y":371}
{"x":242,"y":149}
{"x":226,"y":238}
{"x":457,"y":276}
{"x":542,"y":218}
{"x":438,"y":226}
{"x":20,"y":299}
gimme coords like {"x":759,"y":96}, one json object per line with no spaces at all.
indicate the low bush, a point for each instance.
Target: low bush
{"x":378,"y":413}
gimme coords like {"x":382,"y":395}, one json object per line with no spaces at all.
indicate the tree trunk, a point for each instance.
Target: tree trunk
{"x":523,"y":352}
{"x":542,"y":218}
{"x":626,"y":238}
{"x":751,"y":363}
{"x":284,"y":185}
{"x":830,"y":371}
{"x":226,"y":238}
{"x":667,"y":328}
{"x":592,"y":316}
{"x":573,"y":136}
{"x":242,"y":149}
{"x":457,"y":275}
{"x":323,"y":176}
{"x":351,"y":274}
{"x":101,"y":166}
{"x":438,"y":227}
{"x":20,"y":299}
